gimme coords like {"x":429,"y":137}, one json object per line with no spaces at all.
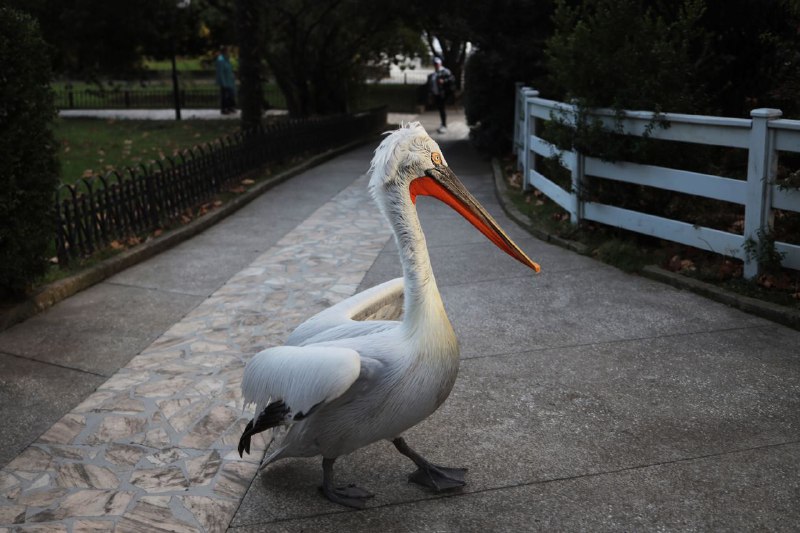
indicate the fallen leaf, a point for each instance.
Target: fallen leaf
{"x":248,"y":182}
{"x":217,"y":203}
{"x":116,"y":245}
{"x":238,"y":190}
{"x":538,"y":203}
{"x":158,"y":232}
{"x":53,"y":260}
{"x":726,"y":269}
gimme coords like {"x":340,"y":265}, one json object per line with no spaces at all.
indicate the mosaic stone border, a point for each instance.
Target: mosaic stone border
{"x":154,"y":448}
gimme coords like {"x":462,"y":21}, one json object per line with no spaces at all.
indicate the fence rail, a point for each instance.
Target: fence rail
{"x":193,"y":97}
{"x":98,"y":210}
{"x":763,"y":136}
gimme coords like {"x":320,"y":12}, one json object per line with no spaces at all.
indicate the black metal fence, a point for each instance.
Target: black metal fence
{"x":98,"y":210}
{"x":158,"y":98}
{"x":402,"y":98}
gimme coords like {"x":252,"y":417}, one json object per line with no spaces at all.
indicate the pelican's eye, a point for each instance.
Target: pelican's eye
{"x":436,"y":157}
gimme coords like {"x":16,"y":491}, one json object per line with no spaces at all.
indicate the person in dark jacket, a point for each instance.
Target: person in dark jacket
{"x":440,"y":84}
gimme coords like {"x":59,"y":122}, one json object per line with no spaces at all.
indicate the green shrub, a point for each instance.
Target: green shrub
{"x":28,"y":166}
{"x":629,"y":54}
{"x":509,"y":38}
{"x":490,"y":114}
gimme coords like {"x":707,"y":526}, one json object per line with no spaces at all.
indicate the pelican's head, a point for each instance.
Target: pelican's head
{"x":408,"y":163}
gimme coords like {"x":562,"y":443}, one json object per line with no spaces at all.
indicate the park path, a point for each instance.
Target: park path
{"x":588,"y":398}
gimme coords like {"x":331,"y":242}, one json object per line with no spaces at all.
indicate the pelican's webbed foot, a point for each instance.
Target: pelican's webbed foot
{"x":347,"y":495}
{"x":439,"y":477}
{"x":428,"y":474}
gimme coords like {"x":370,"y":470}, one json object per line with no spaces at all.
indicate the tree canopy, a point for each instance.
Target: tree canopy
{"x":710,"y":56}
{"x":318,"y":49}
{"x":93,"y":38}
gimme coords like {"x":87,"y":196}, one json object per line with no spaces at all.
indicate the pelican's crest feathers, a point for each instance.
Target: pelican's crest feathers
{"x":403,"y":155}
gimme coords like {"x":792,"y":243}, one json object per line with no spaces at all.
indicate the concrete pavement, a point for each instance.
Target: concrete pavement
{"x":588,"y":399}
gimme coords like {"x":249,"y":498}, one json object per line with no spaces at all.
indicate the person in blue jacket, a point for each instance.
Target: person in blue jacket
{"x":226,"y":82}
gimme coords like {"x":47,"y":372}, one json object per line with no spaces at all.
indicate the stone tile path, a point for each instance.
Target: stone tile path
{"x":154,"y":448}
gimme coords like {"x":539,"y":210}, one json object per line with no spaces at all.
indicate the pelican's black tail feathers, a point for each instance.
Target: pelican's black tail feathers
{"x":271,"y":416}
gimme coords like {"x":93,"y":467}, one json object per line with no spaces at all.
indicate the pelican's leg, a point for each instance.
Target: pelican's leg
{"x":348,"y":495}
{"x":428,"y":474}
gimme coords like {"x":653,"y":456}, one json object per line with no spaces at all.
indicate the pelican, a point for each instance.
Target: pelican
{"x":339,"y":384}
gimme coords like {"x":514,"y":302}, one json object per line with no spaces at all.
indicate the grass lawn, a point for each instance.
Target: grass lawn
{"x":161,"y":83}
{"x":182,"y":63}
{"x":90,"y":146}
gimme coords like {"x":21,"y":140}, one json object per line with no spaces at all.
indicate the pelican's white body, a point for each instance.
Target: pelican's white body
{"x":366,"y":380}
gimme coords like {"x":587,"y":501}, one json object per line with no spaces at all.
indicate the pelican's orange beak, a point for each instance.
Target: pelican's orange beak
{"x":441,"y":183}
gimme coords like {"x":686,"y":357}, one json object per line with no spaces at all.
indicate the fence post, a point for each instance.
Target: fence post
{"x":762,"y":162}
{"x":518,"y":107}
{"x":528,"y":128}
{"x":577,"y":193}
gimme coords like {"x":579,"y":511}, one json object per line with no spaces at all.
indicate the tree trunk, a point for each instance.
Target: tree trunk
{"x":251,"y":96}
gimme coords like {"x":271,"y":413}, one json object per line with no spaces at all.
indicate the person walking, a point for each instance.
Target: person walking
{"x":440,"y":84}
{"x":226,"y":82}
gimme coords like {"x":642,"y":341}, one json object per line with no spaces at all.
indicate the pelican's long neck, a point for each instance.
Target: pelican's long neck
{"x":424,"y":313}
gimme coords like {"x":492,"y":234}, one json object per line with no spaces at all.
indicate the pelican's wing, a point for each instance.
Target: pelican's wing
{"x":301,"y":377}
{"x":288,"y":383}
{"x":347,"y":312}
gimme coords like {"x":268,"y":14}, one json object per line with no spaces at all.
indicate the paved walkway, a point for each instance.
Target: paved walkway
{"x":587,"y":399}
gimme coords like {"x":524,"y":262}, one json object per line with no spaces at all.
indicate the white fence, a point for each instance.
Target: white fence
{"x":763,"y":136}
